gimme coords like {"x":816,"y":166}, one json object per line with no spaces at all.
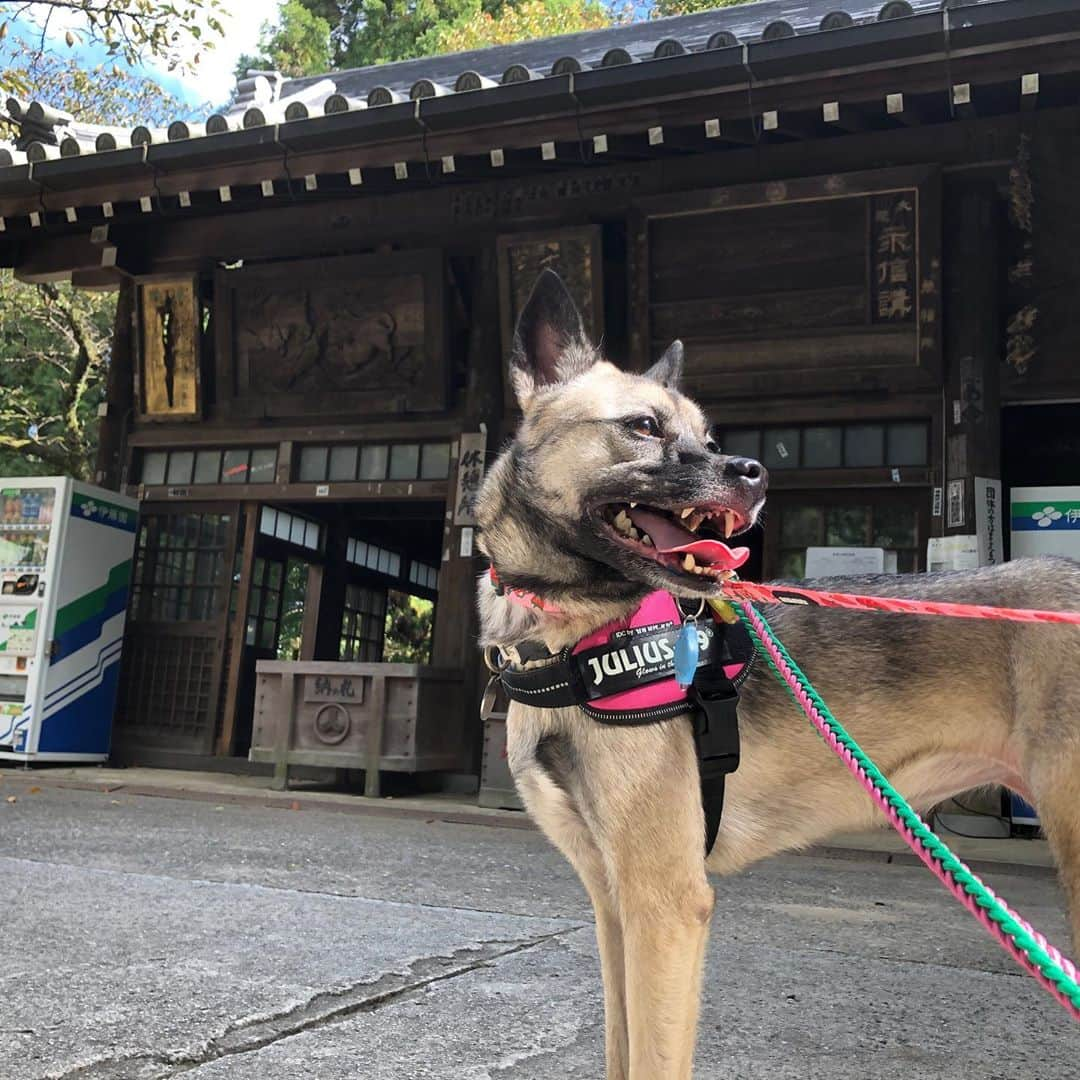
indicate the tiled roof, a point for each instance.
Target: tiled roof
{"x":264,"y":98}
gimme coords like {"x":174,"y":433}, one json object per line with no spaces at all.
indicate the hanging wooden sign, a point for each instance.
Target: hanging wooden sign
{"x":169,"y":332}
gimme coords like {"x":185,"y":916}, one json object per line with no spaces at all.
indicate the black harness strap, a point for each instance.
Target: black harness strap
{"x":712,"y":702}
{"x":716,"y":738}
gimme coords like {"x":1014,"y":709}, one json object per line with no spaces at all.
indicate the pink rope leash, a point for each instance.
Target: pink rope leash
{"x":945,"y":876}
{"x":895,"y":605}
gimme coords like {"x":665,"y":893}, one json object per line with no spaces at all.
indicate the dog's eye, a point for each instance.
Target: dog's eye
{"x":646,"y":426}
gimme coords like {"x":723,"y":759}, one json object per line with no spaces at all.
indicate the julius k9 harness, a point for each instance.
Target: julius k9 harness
{"x":657,"y":664}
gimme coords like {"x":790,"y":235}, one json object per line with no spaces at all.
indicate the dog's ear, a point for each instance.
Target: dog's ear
{"x":667,"y":371}
{"x":550,"y":345}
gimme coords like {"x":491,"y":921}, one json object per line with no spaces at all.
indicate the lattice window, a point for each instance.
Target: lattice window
{"x":362,"y":624}
{"x":894,"y":444}
{"x":264,"y":604}
{"x":180,"y":568}
{"x":424,"y":575}
{"x":167,"y":693}
{"x":847,"y":519}
{"x":374,"y":461}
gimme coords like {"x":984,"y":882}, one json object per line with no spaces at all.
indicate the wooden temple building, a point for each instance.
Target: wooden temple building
{"x":861,"y":220}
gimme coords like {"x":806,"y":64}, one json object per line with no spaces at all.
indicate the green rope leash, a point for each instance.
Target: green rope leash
{"x":1024,"y":943}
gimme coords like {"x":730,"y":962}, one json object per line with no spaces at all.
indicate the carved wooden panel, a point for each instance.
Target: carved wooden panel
{"x":353,"y":334}
{"x":822,"y":284}
{"x":574,"y":254}
{"x":169,"y":332}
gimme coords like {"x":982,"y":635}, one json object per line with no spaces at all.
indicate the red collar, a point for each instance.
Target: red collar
{"x":522,"y":596}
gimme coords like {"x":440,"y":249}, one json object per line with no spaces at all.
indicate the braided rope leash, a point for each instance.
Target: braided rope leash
{"x":758,"y":593}
{"x":1025,"y":944}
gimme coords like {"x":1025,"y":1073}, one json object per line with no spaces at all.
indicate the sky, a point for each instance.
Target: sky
{"x":208,"y":86}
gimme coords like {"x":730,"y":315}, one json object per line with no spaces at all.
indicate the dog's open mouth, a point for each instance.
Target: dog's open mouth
{"x":690,"y":540}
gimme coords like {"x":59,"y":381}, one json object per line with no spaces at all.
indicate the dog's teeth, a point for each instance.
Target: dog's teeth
{"x":646,"y":539}
{"x":622,"y":521}
{"x":633,"y":533}
{"x":695,"y":520}
{"x":688,"y":562}
{"x":729,"y":524}
{"x":632,"y":505}
{"x":687,"y":512}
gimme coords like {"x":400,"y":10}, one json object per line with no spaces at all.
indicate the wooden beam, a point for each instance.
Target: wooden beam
{"x":901,"y":108}
{"x":52,"y":258}
{"x":119,"y":397}
{"x":973,"y":341}
{"x":223,"y":430}
{"x":355,"y":491}
{"x":836,"y":114}
{"x":458,"y":213}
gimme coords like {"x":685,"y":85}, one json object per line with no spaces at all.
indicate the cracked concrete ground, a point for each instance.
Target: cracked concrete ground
{"x":149,"y":938}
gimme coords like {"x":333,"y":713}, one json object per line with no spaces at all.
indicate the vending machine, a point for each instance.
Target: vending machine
{"x":65,"y":567}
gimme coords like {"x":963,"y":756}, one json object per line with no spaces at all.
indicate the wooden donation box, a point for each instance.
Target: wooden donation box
{"x":401,"y":717}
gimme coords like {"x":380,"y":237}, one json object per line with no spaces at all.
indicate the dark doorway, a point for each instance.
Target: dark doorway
{"x":1040,"y":447}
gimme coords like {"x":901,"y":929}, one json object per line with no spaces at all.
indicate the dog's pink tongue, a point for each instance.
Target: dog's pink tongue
{"x":670,"y":538}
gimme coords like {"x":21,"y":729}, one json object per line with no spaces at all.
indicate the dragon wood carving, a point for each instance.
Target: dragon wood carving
{"x":331,"y":338}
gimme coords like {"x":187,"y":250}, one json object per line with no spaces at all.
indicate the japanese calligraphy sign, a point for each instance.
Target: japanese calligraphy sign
{"x":829,"y":283}
{"x":470,"y":473}
{"x":893,"y":252}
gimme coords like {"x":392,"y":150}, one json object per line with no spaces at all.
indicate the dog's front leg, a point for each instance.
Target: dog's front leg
{"x":554,"y":811}
{"x":653,"y":832}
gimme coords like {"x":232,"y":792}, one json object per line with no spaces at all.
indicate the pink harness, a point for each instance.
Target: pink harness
{"x":656,"y":609}
{"x":624,"y":674}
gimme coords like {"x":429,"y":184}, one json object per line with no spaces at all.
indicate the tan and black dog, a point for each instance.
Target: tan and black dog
{"x":601,"y":458}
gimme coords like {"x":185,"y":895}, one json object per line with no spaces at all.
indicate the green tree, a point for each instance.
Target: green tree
{"x":55,"y":340}
{"x":363,"y":32}
{"x":132,"y":30}
{"x":410,"y":621}
{"x":520,"y":22}
{"x":54,"y":348}
{"x":689,"y":7}
{"x":297,"y":44}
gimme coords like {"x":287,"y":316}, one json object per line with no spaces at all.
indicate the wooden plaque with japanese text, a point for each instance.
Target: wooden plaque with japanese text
{"x":826,"y":284}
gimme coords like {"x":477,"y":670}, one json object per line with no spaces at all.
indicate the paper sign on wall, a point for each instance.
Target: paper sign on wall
{"x":988,"y":524}
{"x":836,"y":561}
{"x":954,"y":505}
{"x":470,"y":474}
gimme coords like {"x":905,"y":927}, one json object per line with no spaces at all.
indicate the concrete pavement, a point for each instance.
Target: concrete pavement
{"x":151,"y":937}
{"x":981,"y":853}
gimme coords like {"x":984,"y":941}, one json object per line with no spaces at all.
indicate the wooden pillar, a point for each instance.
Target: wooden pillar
{"x":120,"y":393}
{"x":236,"y":628}
{"x":973,"y":222}
{"x":455,"y":614}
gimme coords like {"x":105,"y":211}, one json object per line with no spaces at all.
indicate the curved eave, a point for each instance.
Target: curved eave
{"x":75,"y":173}
{"x":902,"y":41}
{"x":357,"y":127}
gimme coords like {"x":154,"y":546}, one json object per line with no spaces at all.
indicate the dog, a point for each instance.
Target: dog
{"x":942,"y":706}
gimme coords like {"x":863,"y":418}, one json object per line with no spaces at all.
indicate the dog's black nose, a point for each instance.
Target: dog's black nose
{"x":750,"y":472}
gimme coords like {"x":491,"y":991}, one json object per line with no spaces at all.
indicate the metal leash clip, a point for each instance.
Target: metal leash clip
{"x":496,"y":663}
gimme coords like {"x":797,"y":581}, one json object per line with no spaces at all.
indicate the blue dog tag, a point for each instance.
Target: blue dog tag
{"x":687,"y":650}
